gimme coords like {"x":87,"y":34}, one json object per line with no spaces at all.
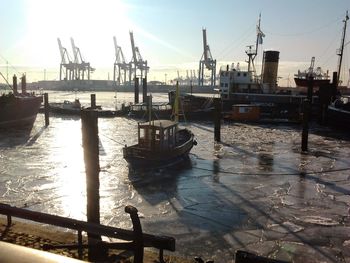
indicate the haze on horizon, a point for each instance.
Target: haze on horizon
{"x":169,"y":34}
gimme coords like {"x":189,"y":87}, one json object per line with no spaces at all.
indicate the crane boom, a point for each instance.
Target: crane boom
{"x":133,"y":47}
{"x":205,"y":45}
{"x":75,"y":53}
{"x":63,"y":58}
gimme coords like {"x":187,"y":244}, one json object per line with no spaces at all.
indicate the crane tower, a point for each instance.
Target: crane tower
{"x":66,"y":65}
{"x":207,"y":62}
{"x":80,"y":66}
{"x":138,"y":66}
{"x":121,"y":68}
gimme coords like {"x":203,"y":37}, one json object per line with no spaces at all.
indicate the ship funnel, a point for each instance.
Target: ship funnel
{"x":269,"y":70}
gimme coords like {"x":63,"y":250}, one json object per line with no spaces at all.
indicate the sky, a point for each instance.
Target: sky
{"x":168,"y":34}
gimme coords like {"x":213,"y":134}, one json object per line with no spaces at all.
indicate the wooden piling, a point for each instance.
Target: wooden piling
{"x":46,"y":109}
{"x":310,"y":86}
{"x":305,"y":132}
{"x":92,"y":168}
{"x":217,"y":119}
{"x":24,"y":84}
{"x":136,"y":98}
{"x":93,"y":101}
{"x":144,"y":90}
{"x":15,"y":88}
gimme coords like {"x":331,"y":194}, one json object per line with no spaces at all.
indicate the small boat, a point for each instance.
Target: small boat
{"x":18,"y":110}
{"x":244,"y":112}
{"x":159,"y":142}
{"x":67,"y":107}
{"x":74,"y":108}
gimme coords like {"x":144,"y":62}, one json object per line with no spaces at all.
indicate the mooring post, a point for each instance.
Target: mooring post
{"x":93,"y":101}
{"x":92,"y":169}
{"x":217,"y":119}
{"x":15,"y":88}
{"x":305,"y":132}
{"x":136,"y":99}
{"x":307,"y":105}
{"x":46,"y":109}
{"x":144,"y":90}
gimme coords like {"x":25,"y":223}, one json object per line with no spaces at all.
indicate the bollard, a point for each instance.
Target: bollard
{"x":144,"y":90}
{"x":136,"y":99}
{"x":92,"y":168}
{"x":93,"y":101}
{"x":305,"y":132}
{"x":46,"y":109}
{"x":217,"y":119}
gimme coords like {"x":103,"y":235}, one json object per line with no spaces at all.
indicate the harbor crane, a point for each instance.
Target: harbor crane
{"x":80,"y":66}
{"x":207,"y":62}
{"x":66,"y":65}
{"x":121,"y":68}
{"x":137,"y":63}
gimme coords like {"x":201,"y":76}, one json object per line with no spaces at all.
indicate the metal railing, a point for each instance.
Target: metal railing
{"x":138,"y":239}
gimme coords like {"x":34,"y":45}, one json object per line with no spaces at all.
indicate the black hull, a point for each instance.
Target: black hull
{"x":338,"y":117}
{"x":18,"y":111}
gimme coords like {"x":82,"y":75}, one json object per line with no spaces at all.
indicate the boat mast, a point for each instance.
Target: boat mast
{"x":341,"y":49}
{"x":253,"y":52}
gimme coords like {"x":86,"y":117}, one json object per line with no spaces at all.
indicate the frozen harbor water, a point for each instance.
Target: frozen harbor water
{"x":254,"y":191}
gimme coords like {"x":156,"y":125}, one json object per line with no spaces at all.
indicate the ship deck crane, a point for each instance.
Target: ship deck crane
{"x":207,"y":62}
{"x":137,"y":63}
{"x":66,"y":63}
{"x":80,"y":66}
{"x":121,"y":68}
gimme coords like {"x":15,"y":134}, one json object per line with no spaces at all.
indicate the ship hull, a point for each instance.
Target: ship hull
{"x":302,"y":82}
{"x":16,"y":111}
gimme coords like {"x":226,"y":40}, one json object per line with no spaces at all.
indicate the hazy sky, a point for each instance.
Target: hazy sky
{"x":169,"y":32}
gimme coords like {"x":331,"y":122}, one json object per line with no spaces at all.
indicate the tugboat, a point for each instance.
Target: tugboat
{"x":160,"y":142}
{"x":18,"y":110}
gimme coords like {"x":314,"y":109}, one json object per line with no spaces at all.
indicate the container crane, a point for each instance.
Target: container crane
{"x":137,"y":63}
{"x":207,"y":62}
{"x":121,"y":68}
{"x":66,"y":63}
{"x":80,"y":66}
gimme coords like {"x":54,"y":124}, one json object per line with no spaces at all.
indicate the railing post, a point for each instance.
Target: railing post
{"x":9,"y":220}
{"x":80,"y":245}
{"x":138,"y":236}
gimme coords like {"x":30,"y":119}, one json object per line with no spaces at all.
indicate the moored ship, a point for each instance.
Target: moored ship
{"x":18,"y":110}
{"x":320,"y":78}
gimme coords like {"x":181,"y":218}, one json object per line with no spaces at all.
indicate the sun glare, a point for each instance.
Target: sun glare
{"x":92,"y":24}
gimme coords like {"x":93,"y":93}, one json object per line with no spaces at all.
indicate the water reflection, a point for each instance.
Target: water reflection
{"x":67,"y":154}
